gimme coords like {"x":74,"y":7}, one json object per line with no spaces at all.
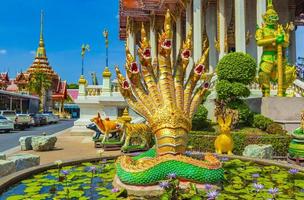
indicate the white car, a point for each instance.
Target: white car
{"x":6,"y":125}
{"x":51,"y":118}
{"x":48,"y":118}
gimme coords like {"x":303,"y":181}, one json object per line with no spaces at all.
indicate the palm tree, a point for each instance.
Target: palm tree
{"x":38,"y":84}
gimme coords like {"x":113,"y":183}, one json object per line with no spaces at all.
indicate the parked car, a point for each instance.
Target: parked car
{"x":9,"y":114}
{"x":23,"y":121}
{"x":38,"y":119}
{"x":43,"y":120}
{"x":55,"y":118}
{"x":48,"y":118}
{"x":51,"y":118}
{"x":6,"y":124}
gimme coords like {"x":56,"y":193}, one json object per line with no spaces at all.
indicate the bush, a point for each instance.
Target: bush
{"x":275,"y":128}
{"x":226,"y":89}
{"x":237,"y":67}
{"x":199,"y":121}
{"x":261,"y":122}
{"x":202,"y":141}
{"x":245,"y":114}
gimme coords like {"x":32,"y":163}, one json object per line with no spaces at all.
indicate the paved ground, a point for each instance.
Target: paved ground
{"x":10,"y":140}
{"x":69,"y":147}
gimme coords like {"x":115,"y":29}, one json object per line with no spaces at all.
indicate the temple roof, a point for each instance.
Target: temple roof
{"x":4,"y":77}
{"x":41,"y":63}
{"x":12,"y":87}
{"x":73,"y":93}
{"x":141,"y":10}
{"x":61,"y":91}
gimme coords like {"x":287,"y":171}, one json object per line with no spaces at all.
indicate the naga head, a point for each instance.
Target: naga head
{"x":131,"y":66}
{"x":187,"y":46}
{"x":144,"y":51}
{"x":165,"y":39}
{"x":271,"y":17}
{"x":124,"y":84}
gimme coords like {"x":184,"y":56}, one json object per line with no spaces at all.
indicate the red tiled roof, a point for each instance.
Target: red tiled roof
{"x":73,"y":93}
{"x":4,"y":76}
{"x":61,"y":91}
{"x":141,"y":10}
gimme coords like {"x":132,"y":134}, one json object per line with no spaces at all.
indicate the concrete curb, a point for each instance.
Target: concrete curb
{"x":17,"y":148}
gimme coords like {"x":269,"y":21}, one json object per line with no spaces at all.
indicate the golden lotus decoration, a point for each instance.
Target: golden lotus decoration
{"x":160,"y":93}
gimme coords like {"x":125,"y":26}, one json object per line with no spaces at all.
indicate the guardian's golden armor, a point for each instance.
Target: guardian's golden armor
{"x":274,"y":67}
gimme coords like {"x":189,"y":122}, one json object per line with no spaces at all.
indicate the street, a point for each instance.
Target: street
{"x":10,"y":140}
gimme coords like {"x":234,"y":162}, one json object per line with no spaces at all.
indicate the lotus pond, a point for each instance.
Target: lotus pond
{"x":244,"y":180}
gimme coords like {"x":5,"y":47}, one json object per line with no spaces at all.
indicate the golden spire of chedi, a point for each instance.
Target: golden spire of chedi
{"x":41,"y":63}
{"x":41,"y":48}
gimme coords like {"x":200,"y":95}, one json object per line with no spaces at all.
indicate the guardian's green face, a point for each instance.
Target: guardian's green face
{"x":272,"y":19}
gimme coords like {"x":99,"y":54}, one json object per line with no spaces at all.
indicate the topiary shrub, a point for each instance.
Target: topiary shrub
{"x":226,"y":90}
{"x":237,"y":67}
{"x":261,"y":122}
{"x":199,"y":120}
{"x":235,"y":72}
{"x":275,"y":128}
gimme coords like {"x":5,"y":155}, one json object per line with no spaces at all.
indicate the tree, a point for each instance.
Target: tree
{"x":73,"y":86}
{"x":38,"y":84}
{"x":235,"y":72}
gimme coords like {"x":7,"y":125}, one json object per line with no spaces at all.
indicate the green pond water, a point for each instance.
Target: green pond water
{"x":244,"y":180}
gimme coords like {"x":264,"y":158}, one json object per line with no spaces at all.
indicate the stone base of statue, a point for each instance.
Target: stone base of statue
{"x":283,"y":110}
{"x":151,"y":192}
{"x":110,"y":146}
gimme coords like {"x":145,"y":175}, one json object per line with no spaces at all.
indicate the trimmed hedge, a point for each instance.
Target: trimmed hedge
{"x":202,"y":141}
{"x":261,"y":122}
{"x":199,"y":120}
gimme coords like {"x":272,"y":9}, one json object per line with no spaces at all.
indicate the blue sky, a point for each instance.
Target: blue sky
{"x":300,"y":41}
{"x":67,"y":25}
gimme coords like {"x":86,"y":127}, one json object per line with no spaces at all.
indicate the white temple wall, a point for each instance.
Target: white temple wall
{"x":211,"y":25}
{"x":251,"y":24}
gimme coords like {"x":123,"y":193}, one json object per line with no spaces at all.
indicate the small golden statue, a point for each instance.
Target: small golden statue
{"x":274,"y":38}
{"x":224,"y":142}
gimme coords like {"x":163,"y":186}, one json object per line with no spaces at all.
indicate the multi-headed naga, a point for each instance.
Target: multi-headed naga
{"x":162,"y":96}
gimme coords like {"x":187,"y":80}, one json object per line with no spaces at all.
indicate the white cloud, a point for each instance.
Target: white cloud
{"x":3,"y":51}
{"x":33,"y":52}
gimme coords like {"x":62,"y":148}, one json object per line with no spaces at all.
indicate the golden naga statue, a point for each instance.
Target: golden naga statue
{"x":224,"y":142}
{"x":166,"y":101}
{"x":274,"y":38}
{"x":160,"y":93}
